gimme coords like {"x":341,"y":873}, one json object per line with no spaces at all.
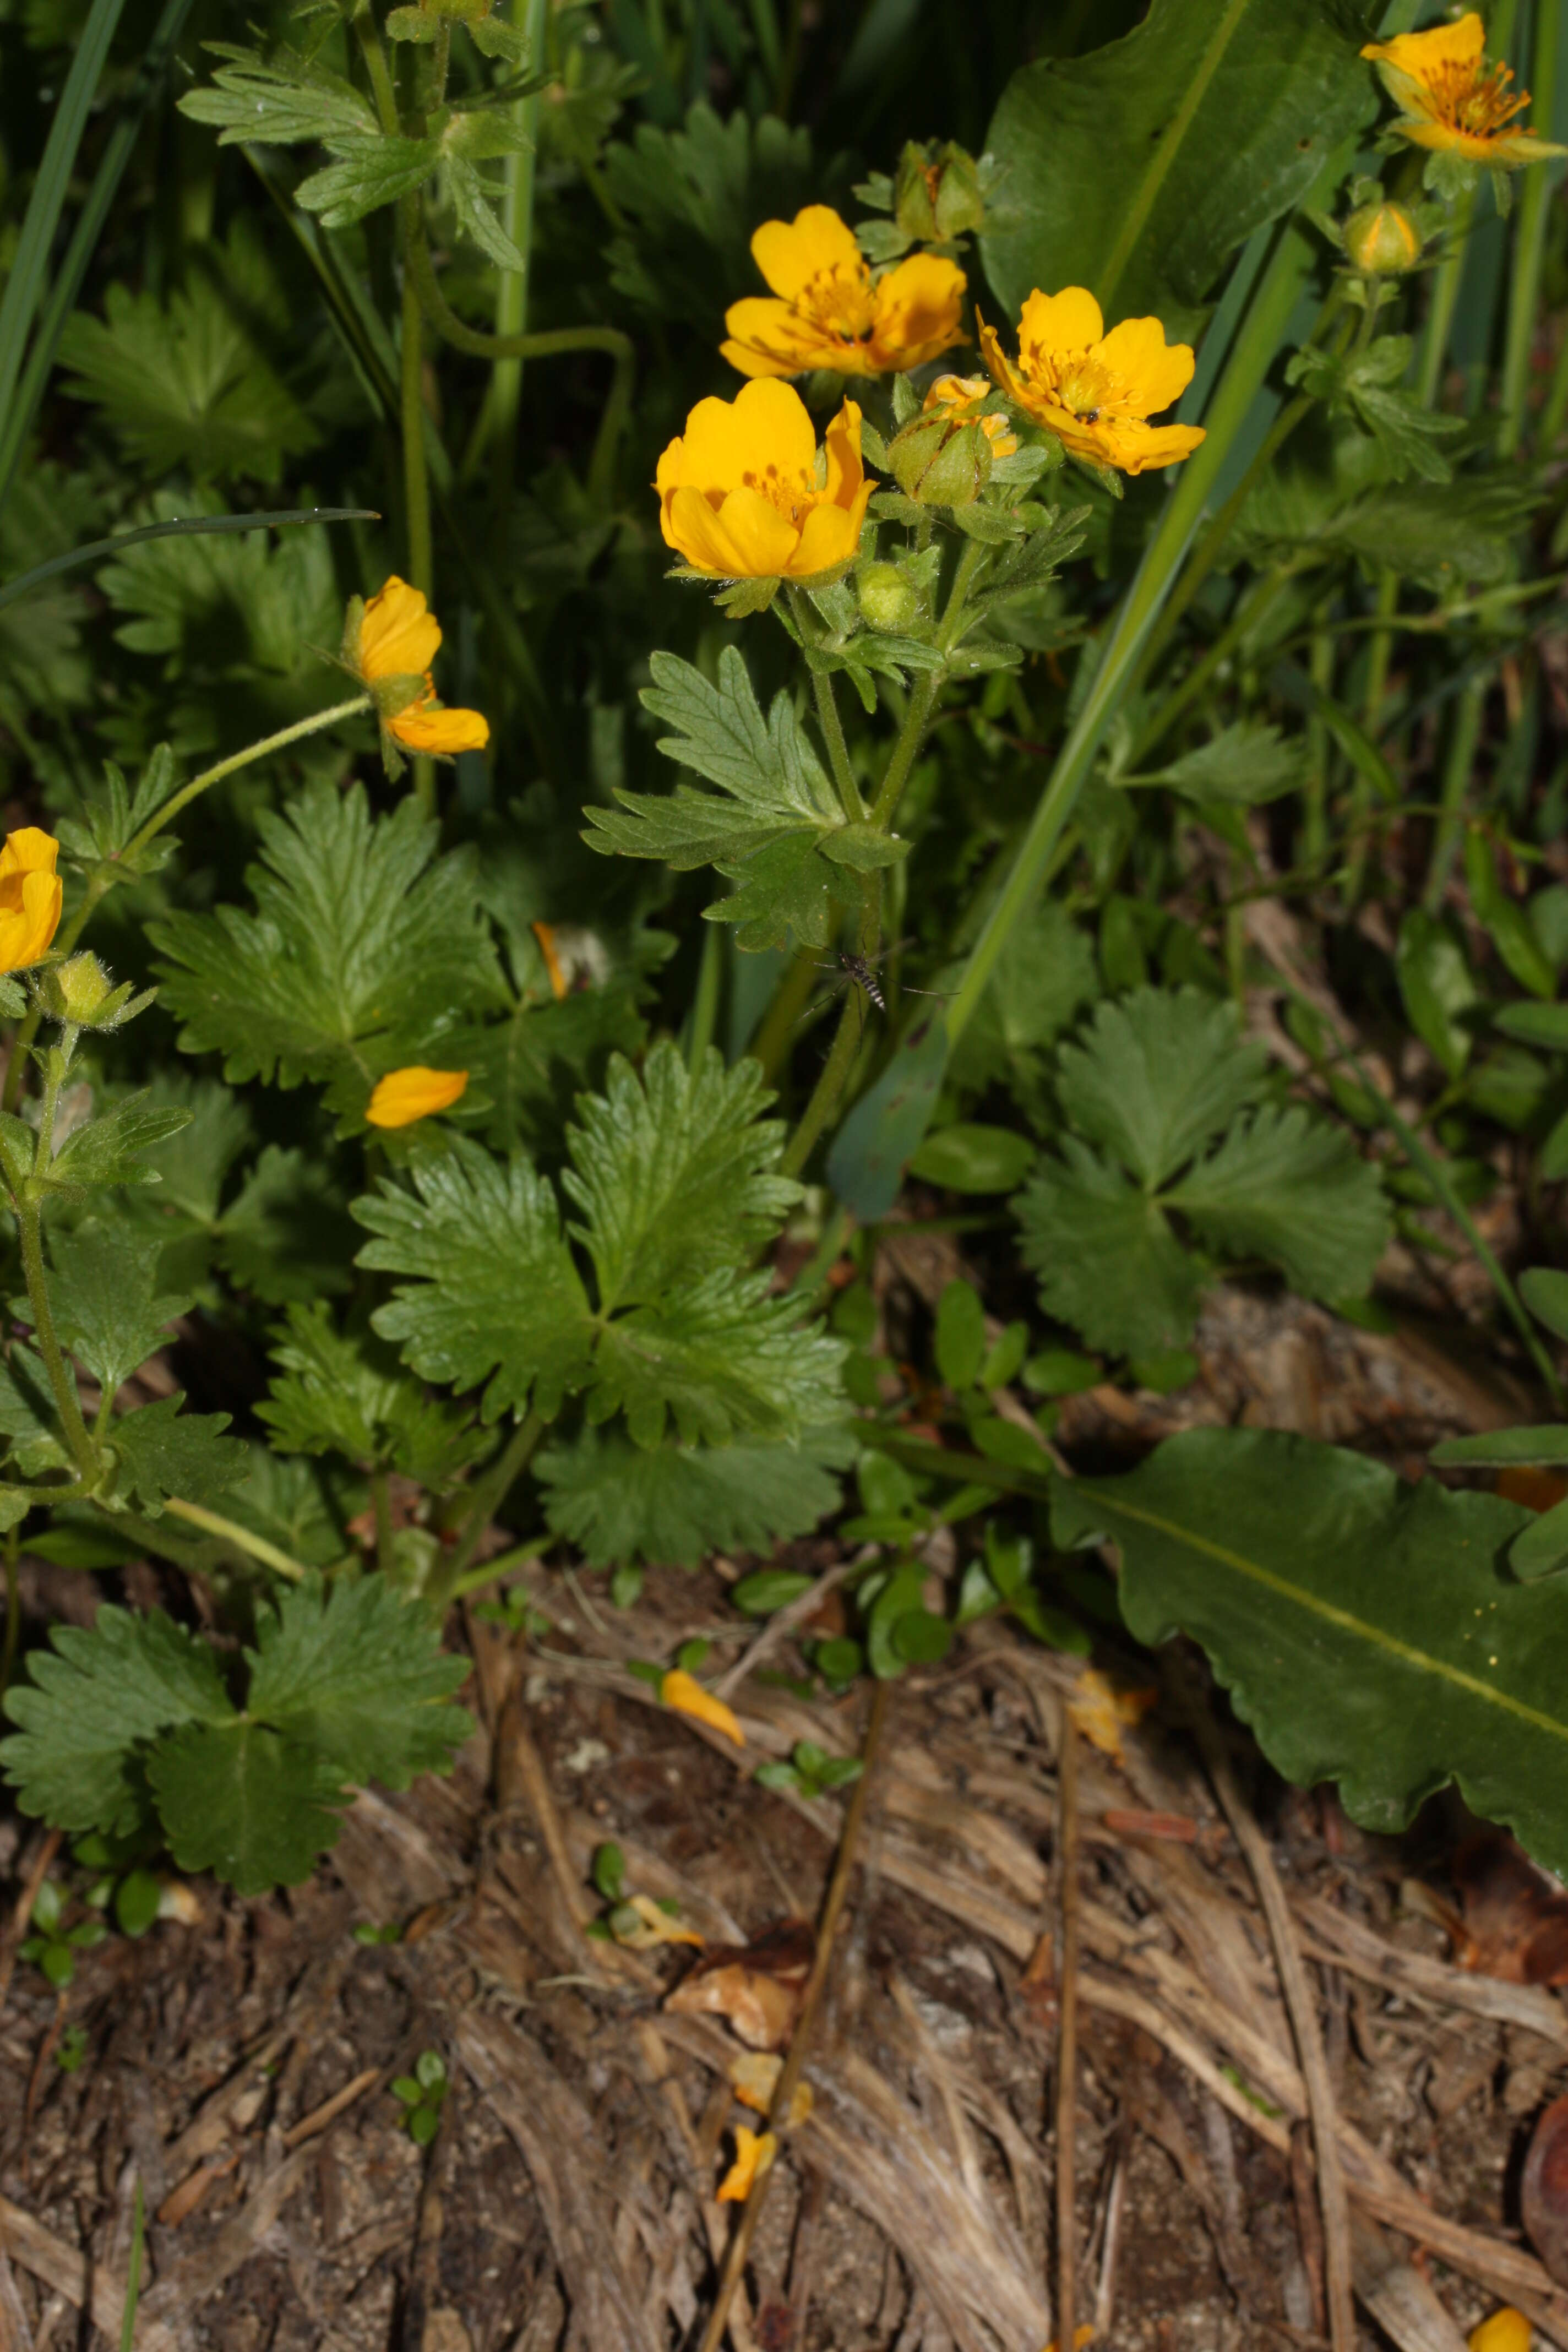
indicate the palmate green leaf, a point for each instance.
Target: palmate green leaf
{"x":277,"y":101}
{"x":1044,"y":973}
{"x":355,"y":1671}
{"x":334,"y":1393}
{"x":92,"y":1702}
{"x":767,"y":832}
{"x":287,"y":1233}
{"x":104,"y":1293}
{"x":371,"y":169}
{"x":109,"y":1150}
{"x":1294,"y":1189}
{"x":619,"y":1503}
{"x":28,"y":1421}
{"x":160,"y":1451}
{"x":1243,"y":766}
{"x":184,"y":383}
{"x":1438,"y":535}
{"x":1365,"y":1629}
{"x":360,"y":948}
{"x":242,"y":1801}
{"x":1156,"y":1075}
{"x":674,"y":1174}
{"x":1106,"y":1260}
{"x":691,"y":198}
{"x":1149,"y":161}
{"x":295,"y":1504}
{"x":676,"y":1178}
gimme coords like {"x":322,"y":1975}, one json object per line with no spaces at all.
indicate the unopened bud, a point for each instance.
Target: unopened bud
{"x":79,"y":991}
{"x":1384,"y":240}
{"x":888,"y":598}
{"x":940,"y":463}
{"x":936,"y":191}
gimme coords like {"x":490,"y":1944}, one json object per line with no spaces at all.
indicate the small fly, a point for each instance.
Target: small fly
{"x":860,"y":971}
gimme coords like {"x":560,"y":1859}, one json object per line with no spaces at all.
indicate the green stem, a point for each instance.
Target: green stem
{"x":778,"y":1024}
{"x":503,"y":399}
{"x":29,"y":1230}
{"x":1450,"y":832}
{"x":825,"y":1094}
{"x":1319,"y":749}
{"x":1256,"y":344}
{"x":923,"y":700}
{"x":705,"y":1003}
{"x":374,"y":56}
{"x":488,"y":1491}
{"x":1445,"y":295}
{"x":229,"y":1532}
{"x":13,"y":1609}
{"x":381,"y":1501}
{"x":1529,"y":241}
{"x":543,"y":345}
{"x":237,"y":760}
{"x":415,"y":473}
{"x":502,"y":1564}
{"x":838,"y":749}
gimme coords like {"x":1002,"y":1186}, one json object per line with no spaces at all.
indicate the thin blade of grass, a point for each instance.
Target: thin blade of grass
{"x":91,"y":550}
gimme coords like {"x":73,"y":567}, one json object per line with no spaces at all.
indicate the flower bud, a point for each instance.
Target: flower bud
{"x":888,"y":598}
{"x":940,"y":463}
{"x":79,"y":991}
{"x":1382,"y":240}
{"x":936,"y":193}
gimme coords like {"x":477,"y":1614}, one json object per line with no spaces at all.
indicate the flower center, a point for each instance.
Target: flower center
{"x":840,"y":304}
{"x":793,"y":494}
{"x":1476,"y":103}
{"x":1085,"y":389}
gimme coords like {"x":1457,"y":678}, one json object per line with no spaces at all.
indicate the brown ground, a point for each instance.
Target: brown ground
{"x":567,"y":2204}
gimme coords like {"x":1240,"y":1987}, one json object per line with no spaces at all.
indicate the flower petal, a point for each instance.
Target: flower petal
{"x":790,"y":253}
{"x":1155,"y":373}
{"x":1423,"y":55}
{"x":842,"y":441}
{"x":428,"y":727}
{"x":1155,"y":445}
{"x":399,"y":634}
{"x":920,"y":311}
{"x":686,"y":1694}
{"x":404,"y":1096}
{"x":765,"y":424}
{"x":1067,"y":321}
{"x":1506,"y":2331}
{"x":766,"y":337}
{"x":29,"y":850}
{"x":754,"y":2152}
{"x":830,"y":535}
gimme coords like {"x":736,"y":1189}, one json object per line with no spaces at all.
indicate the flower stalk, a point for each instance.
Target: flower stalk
{"x":29,"y":1232}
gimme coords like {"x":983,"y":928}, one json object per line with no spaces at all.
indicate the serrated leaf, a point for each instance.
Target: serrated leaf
{"x":1156,"y":1075}
{"x":94,"y":1700}
{"x":107,"y":1148}
{"x":788,"y":888}
{"x":674,"y":1173}
{"x":242,"y":1801}
{"x":356,"y":1672}
{"x":160,"y":1450}
{"x":277,"y":102}
{"x":1243,"y":766}
{"x":472,"y":202}
{"x":1438,"y":989}
{"x":720,"y":1358}
{"x":1295,"y":1191}
{"x":1044,"y":973}
{"x":350,"y":1395}
{"x":497,"y":1297}
{"x":27,"y":1415}
{"x":1106,"y":1258}
{"x":287,"y":1233}
{"x":618,"y":1502}
{"x":292,"y":1503}
{"x":103,"y":1291}
{"x":362,"y":944}
{"x":1364,"y":1627}
{"x":371,"y":169}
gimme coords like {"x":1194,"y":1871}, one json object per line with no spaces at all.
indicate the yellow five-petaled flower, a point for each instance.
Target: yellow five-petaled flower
{"x":744,"y":494}
{"x":1096,"y":392}
{"x":959,"y":396}
{"x":390,"y":644}
{"x":404,"y":1096}
{"x":827,"y":311}
{"x":29,"y":898}
{"x":1450,"y":98}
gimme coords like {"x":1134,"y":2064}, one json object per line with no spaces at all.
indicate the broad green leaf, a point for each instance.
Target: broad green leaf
{"x":1108,"y":1263}
{"x":618,"y":1502}
{"x":359,"y":950}
{"x":674,"y":1173}
{"x":1294,"y":1189}
{"x":866,"y":1163}
{"x":1242,"y":766}
{"x":93,"y":1702}
{"x":185,"y":383}
{"x":160,"y":1451}
{"x":1536,"y":1024}
{"x":1436,"y":983}
{"x":1541,"y":1548}
{"x":1438,"y":535}
{"x":959,"y":1334}
{"x":721,"y":1357}
{"x":968,"y":1158}
{"x":103,"y":1292}
{"x":766,"y":833}
{"x":1545,"y":1293}
{"x":349,"y":1394}
{"x":244,"y":1802}
{"x":1138,"y":169}
{"x":495,"y":1296}
{"x":1545,"y":1449}
{"x":1156,"y":1075}
{"x":1365,"y":1629}
{"x":356,"y":1672}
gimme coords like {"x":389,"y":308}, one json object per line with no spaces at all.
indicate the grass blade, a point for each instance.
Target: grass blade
{"x":91,"y":550}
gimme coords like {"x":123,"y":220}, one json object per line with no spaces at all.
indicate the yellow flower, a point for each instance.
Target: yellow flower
{"x":754,"y":2152}
{"x":30,"y":897}
{"x":960,"y":396}
{"x":1506,"y":2331}
{"x":404,"y":1096}
{"x":825,"y":311}
{"x":1096,"y":392}
{"x":392,"y":647}
{"x":686,"y":1694}
{"x":1449,"y":97}
{"x":743,"y":494}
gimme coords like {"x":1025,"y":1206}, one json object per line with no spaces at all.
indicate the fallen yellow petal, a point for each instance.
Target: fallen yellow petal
{"x":657,"y":1926}
{"x":1506,"y":2331}
{"x":404,"y":1096}
{"x":754,"y":2152}
{"x":686,"y":1694}
{"x":1100,"y":1711}
{"x":1082,"y":2335}
{"x":754,"y":2077}
{"x":545,"y":934}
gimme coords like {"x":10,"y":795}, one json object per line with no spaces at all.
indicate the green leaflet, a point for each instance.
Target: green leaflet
{"x":1366,"y":1630}
{"x":339,"y":1394}
{"x":621,"y":1503}
{"x":1137,"y":171}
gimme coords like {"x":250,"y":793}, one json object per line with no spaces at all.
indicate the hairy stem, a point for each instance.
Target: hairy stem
{"x":229,"y":1532}
{"x":923,"y":700}
{"x":838,"y":749}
